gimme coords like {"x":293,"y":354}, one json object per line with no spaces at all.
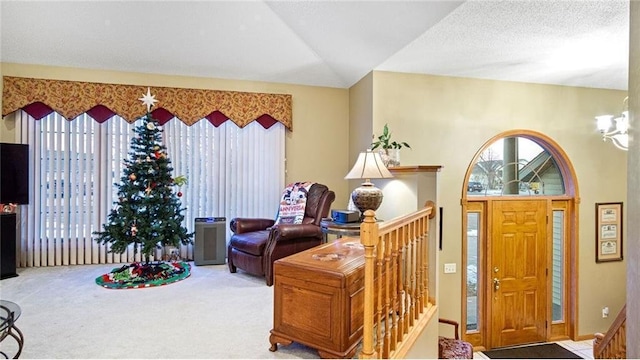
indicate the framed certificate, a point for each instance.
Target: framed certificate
{"x":608,"y":232}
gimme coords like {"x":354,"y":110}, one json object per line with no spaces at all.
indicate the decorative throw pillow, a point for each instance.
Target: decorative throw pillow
{"x":293,"y":203}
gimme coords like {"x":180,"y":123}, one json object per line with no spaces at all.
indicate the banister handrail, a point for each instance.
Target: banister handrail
{"x":392,"y":224}
{"x":396,"y":295}
{"x":615,"y":337}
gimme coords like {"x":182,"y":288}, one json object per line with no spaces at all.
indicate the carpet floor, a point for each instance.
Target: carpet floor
{"x":538,"y":351}
{"x":212,"y":314}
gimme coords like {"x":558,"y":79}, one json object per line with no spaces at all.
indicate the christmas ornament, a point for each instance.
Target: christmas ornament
{"x":179,"y":194}
{"x":148,"y":99}
{"x":132,"y":177}
{"x":180,"y":180}
{"x":151,"y":126}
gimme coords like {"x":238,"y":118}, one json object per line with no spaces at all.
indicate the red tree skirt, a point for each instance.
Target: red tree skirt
{"x":140,"y":275}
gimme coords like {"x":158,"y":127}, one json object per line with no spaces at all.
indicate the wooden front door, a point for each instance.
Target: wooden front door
{"x":518,"y":272}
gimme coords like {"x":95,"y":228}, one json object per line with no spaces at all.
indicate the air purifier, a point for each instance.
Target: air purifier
{"x":210,"y":244}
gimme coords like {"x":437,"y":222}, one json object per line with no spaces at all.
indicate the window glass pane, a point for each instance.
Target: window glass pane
{"x":557,"y":289}
{"x":515,"y":166}
{"x":473,"y":224}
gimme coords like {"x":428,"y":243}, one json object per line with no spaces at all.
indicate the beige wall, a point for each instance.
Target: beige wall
{"x":315,"y":149}
{"x":633,"y":178}
{"x":7,"y":128}
{"x":360,"y":115}
{"x":447,"y":120}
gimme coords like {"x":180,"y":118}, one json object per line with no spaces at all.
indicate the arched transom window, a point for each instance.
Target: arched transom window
{"x":515,"y":166}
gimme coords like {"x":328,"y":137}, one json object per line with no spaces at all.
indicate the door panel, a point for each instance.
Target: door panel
{"x":518,"y":262}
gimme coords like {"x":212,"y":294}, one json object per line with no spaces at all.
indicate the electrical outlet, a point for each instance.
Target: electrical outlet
{"x":605,"y":312}
{"x":450,"y":268}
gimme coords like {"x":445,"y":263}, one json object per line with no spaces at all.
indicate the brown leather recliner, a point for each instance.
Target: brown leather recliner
{"x":257,"y":243}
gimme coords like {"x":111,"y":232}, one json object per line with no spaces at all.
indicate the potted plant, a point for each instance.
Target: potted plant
{"x":389,"y":149}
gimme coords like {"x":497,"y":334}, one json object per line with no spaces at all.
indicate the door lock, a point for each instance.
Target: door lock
{"x":496,"y":284}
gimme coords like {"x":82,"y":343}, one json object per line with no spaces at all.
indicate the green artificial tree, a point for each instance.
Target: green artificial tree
{"x":148,"y":212}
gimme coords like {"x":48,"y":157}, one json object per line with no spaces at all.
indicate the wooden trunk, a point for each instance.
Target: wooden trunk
{"x":319,"y":297}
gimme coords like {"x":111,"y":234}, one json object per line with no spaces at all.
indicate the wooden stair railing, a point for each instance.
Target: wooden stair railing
{"x":613,"y":344}
{"x":397,"y":306}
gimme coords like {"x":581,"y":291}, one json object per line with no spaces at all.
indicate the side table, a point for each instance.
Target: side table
{"x":9,"y":314}
{"x":329,"y":226}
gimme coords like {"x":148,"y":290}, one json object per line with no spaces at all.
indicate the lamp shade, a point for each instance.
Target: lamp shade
{"x":369,"y":166}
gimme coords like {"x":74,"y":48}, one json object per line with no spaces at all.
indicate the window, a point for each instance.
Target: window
{"x":473,"y":227}
{"x":557,"y":269}
{"x":76,"y":164}
{"x":515,"y":166}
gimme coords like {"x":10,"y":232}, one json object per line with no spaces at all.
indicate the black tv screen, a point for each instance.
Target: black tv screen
{"x":14,"y":173}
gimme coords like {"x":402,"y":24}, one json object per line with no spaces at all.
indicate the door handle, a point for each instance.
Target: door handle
{"x":496,"y":284}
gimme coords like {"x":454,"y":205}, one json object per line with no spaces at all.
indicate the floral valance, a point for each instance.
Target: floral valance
{"x":40,"y":97}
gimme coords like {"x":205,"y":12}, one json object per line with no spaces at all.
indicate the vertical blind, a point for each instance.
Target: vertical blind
{"x":76,"y":165}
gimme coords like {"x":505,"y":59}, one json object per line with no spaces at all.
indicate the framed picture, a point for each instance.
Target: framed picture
{"x":608,"y":232}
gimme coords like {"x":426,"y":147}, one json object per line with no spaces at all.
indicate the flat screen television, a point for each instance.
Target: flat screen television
{"x":14,"y":173}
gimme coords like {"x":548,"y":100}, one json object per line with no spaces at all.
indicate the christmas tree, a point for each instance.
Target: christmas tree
{"x":148,"y":212}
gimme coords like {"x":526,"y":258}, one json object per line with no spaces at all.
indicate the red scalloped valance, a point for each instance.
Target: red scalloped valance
{"x":40,"y":97}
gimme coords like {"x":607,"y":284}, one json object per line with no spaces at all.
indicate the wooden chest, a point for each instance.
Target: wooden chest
{"x":319,"y":297}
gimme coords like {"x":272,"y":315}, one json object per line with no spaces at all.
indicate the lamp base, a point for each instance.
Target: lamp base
{"x":366,"y":197}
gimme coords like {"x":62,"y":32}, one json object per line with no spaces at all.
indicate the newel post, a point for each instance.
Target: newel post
{"x":368,"y":238}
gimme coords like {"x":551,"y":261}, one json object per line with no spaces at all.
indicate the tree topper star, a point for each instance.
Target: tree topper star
{"x":148,"y":99}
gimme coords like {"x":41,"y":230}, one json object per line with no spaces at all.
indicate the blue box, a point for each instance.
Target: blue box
{"x":345,"y":216}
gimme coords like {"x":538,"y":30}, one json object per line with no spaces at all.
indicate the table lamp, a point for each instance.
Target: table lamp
{"x":368,"y":166}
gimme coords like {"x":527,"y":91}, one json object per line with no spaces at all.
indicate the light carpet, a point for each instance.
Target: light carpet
{"x":213,"y":314}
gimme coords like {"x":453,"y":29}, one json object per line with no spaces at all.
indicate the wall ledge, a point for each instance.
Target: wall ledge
{"x":410,"y":169}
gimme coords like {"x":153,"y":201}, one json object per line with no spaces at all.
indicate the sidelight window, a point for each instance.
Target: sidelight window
{"x":557,"y":285}
{"x":473,"y":227}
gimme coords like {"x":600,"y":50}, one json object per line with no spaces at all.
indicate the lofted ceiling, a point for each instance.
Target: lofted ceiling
{"x":327,"y":43}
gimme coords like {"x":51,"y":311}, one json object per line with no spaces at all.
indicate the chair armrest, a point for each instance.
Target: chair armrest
{"x":451,"y":322}
{"x":295,"y":231}
{"x":244,"y":225}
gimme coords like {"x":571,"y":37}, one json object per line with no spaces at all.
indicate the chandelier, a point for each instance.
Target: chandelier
{"x":615,"y":128}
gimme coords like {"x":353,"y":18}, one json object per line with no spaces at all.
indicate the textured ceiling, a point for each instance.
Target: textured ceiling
{"x":327,"y":43}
